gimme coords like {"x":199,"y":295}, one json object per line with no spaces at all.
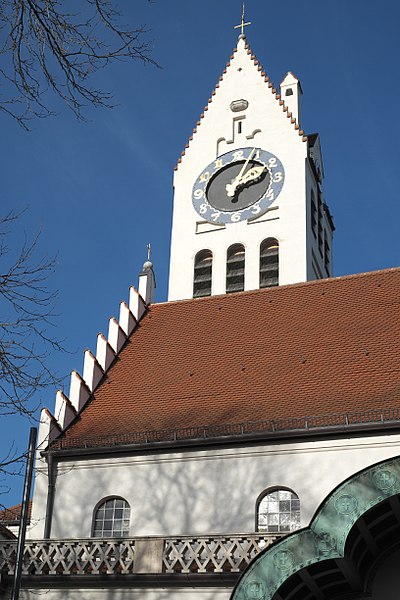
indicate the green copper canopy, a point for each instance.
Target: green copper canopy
{"x":326,"y":536}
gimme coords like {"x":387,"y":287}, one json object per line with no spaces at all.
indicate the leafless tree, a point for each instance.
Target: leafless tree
{"x":57,"y":46}
{"x":26,"y":314}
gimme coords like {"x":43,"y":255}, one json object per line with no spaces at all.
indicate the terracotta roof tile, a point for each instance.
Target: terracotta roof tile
{"x":13,"y":514}
{"x":328,"y":346}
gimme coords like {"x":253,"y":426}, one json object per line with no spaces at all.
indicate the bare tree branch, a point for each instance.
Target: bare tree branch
{"x":26,"y":315}
{"x":46,"y":48}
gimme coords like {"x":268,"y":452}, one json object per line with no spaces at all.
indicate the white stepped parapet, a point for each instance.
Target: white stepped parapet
{"x":78,"y":391}
{"x":92,"y":371}
{"x":137,"y":305}
{"x":116,"y":335}
{"x":94,"y":367}
{"x":104,"y":352}
{"x":147,"y":283}
{"x":49,"y":429}
{"x":64,"y":412}
{"x":126,"y":319}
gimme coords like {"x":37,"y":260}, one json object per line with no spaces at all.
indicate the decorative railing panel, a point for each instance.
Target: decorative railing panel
{"x":71,"y":557}
{"x":216,"y":554}
{"x":184,"y":554}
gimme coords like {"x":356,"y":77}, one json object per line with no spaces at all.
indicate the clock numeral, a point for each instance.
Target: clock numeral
{"x":235,"y":217}
{"x":215,"y":215}
{"x":277,"y":177}
{"x":204,"y":177}
{"x":272,"y":162}
{"x":203,"y":208}
{"x":199,"y":193}
{"x":218,"y":163}
{"x":257,"y":155}
{"x":270,"y":194}
{"x":238,"y":155}
{"x":256,"y":209}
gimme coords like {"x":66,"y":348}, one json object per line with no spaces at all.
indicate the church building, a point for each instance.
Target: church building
{"x":240,"y":441}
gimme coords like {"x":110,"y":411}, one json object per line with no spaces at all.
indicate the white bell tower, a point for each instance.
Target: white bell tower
{"x":248,"y":205}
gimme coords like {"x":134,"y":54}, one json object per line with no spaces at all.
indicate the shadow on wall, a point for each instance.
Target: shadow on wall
{"x":184,"y":493}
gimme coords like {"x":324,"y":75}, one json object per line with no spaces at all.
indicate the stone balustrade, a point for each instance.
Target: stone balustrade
{"x":130,"y":556}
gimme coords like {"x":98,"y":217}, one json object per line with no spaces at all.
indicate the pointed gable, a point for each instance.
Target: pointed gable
{"x":243,"y":77}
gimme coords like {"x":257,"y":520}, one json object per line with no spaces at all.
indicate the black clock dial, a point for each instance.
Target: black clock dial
{"x":245,"y":195}
{"x":238,"y":185}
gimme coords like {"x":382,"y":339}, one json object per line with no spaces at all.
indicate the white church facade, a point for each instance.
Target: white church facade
{"x":242,"y":440}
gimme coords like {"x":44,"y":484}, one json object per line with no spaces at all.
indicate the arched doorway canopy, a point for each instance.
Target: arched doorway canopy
{"x":350,"y":531}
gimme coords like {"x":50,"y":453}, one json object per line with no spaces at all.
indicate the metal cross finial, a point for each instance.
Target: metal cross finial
{"x":242,"y":23}
{"x":148,"y":251}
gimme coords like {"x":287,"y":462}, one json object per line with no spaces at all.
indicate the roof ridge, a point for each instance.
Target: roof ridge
{"x":278,"y":288}
{"x":266,"y":79}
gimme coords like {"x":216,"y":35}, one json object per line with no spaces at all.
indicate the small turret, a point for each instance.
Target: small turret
{"x":290,"y":94}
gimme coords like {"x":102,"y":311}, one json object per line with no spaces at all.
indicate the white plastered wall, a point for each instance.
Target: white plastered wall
{"x":264,"y":125}
{"x":203,"y":492}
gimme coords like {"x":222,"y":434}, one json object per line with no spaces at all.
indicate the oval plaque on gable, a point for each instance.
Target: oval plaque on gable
{"x":238,"y":105}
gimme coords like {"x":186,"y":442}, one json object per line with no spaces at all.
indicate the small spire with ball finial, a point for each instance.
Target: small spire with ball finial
{"x":147,"y":280}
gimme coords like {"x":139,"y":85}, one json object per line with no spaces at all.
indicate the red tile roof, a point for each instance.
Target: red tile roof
{"x":12,"y":515}
{"x":328,"y":346}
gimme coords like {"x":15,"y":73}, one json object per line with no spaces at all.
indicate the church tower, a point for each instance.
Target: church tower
{"x":249,"y":211}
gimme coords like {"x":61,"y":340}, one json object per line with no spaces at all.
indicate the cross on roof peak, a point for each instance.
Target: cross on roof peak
{"x":243,"y":24}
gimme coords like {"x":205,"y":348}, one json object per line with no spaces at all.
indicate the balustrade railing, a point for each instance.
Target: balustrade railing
{"x":183,"y":554}
{"x":215,"y":554}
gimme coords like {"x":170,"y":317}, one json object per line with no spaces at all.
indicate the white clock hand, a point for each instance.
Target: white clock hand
{"x":245,"y":165}
{"x":233,"y":185}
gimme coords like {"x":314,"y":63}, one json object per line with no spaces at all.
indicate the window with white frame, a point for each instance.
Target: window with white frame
{"x":112,"y":518}
{"x":278,"y":511}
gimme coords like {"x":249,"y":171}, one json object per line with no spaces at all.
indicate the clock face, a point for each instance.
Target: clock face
{"x":239,"y":185}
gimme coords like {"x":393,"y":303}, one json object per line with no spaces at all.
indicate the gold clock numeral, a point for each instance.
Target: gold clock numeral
{"x":204,"y":177}
{"x":238,"y":155}
{"x":218,"y":164}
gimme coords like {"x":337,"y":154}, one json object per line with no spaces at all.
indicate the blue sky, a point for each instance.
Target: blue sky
{"x":100,"y":191}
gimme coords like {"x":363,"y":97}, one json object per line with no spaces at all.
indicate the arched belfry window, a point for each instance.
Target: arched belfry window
{"x":278,"y":511}
{"x":111,"y":518}
{"x":269,"y":263}
{"x":235,"y":268}
{"x":202,"y":274}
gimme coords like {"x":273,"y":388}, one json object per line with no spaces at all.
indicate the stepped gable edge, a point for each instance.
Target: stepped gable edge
{"x":290,"y":351}
{"x":271,"y":87}
{"x":95,"y":368}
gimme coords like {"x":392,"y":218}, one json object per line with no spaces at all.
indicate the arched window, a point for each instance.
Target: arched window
{"x":278,"y":511}
{"x":269,"y":263}
{"x":235,"y":268}
{"x":202,"y":274}
{"x":111,"y":518}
